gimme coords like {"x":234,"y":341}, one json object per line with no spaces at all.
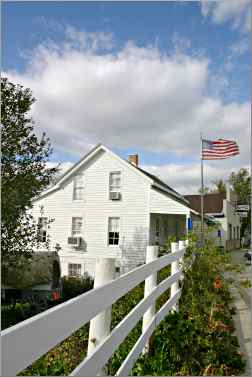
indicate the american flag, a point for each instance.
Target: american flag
{"x":219,"y":149}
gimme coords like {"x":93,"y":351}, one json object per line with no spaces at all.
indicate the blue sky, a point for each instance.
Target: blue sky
{"x":208,"y":44}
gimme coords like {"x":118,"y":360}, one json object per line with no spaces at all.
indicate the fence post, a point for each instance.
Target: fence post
{"x":174,"y":269}
{"x":99,"y":327}
{"x":150,"y":284}
{"x":182,"y":245}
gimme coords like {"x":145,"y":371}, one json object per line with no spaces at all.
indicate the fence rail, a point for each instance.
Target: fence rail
{"x":27,"y":341}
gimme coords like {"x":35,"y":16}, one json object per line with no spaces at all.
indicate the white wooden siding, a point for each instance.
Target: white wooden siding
{"x":162,"y":203}
{"x":95,"y":209}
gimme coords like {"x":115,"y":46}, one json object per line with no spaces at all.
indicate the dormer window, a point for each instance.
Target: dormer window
{"x":115,"y":185}
{"x":78,"y":187}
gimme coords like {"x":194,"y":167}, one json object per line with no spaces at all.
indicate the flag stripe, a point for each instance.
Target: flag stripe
{"x":222,"y":153}
{"x":226,"y":147}
{"x":219,"y":149}
{"x":234,"y":149}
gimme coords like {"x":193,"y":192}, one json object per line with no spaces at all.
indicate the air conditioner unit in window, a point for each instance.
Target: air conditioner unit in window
{"x":115,"y":195}
{"x":74,"y":241}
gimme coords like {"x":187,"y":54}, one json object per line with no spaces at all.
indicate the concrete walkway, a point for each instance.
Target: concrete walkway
{"x":242,"y":302}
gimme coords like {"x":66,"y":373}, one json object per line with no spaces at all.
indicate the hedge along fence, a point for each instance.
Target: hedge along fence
{"x":25,"y":342}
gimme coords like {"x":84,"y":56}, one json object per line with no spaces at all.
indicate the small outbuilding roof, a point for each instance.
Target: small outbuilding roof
{"x":213,"y":203}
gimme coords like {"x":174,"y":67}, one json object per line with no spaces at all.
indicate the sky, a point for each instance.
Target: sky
{"x":138,"y":77}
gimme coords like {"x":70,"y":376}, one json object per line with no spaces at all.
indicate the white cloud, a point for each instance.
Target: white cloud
{"x":186,"y":179}
{"x":89,"y":41}
{"x":136,"y":97}
{"x":235,"y":11}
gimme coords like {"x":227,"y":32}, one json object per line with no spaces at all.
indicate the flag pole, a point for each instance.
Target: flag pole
{"x":202,"y":194}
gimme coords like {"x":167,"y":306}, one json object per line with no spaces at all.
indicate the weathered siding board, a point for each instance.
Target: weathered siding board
{"x":162,"y":203}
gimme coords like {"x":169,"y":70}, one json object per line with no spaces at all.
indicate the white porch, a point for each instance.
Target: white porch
{"x":163,"y":226}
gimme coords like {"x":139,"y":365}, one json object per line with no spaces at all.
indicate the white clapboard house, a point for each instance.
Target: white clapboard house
{"x":107,"y":206}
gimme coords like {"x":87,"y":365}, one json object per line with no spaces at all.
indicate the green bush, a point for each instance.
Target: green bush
{"x":12,"y":314}
{"x":75,"y":286}
{"x":199,"y":339}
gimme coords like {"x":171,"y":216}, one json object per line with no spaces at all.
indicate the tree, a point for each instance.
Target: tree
{"x":24,"y":172}
{"x":205,"y":190}
{"x":241,"y":183}
{"x":220,"y":186}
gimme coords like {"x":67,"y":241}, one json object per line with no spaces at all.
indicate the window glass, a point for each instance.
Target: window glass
{"x":115,"y":181}
{"x":42,"y":229}
{"x":78,"y":188}
{"x":74,"y":269}
{"x":113,"y":231}
{"x":76,"y":225}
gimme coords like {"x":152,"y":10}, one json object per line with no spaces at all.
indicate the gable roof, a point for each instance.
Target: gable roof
{"x":157,"y":182}
{"x":213,"y":203}
{"x":152,"y":179}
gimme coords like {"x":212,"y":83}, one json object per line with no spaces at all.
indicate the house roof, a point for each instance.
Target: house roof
{"x":213,"y":203}
{"x":155,"y":181}
{"x":163,"y":185}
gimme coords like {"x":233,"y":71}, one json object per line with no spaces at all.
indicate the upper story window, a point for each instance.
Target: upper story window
{"x":113,"y":230}
{"x":78,"y":187}
{"x":76,"y":226}
{"x":115,"y":183}
{"x":42,"y":229}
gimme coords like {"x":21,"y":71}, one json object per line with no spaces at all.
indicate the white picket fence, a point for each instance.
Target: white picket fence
{"x":25,"y":342}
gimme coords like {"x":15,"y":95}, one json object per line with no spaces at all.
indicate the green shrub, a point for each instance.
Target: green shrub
{"x":75,"y":286}
{"x":13,"y":314}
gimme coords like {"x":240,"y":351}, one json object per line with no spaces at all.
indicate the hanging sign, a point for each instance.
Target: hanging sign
{"x":243,"y":214}
{"x":189,"y":223}
{"x":242,"y":207}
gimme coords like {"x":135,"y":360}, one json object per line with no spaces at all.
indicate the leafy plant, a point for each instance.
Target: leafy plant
{"x":74,"y":286}
{"x":24,"y":174}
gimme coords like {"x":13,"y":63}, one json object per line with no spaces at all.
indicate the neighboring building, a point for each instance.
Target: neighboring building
{"x":106,"y":206}
{"x":221,"y":206}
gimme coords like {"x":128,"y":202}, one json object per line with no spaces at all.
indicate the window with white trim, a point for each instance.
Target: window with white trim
{"x":76,"y":226}
{"x":74,"y":269}
{"x":113,"y":230}
{"x":42,"y":229}
{"x":115,"y":181}
{"x":78,"y":187}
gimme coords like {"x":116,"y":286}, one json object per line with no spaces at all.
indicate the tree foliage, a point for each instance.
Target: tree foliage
{"x":24,"y":172}
{"x":220,"y":186}
{"x":241,"y":182}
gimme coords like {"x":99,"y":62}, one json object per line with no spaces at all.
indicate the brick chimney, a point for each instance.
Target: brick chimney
{"x":133,"y":159}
